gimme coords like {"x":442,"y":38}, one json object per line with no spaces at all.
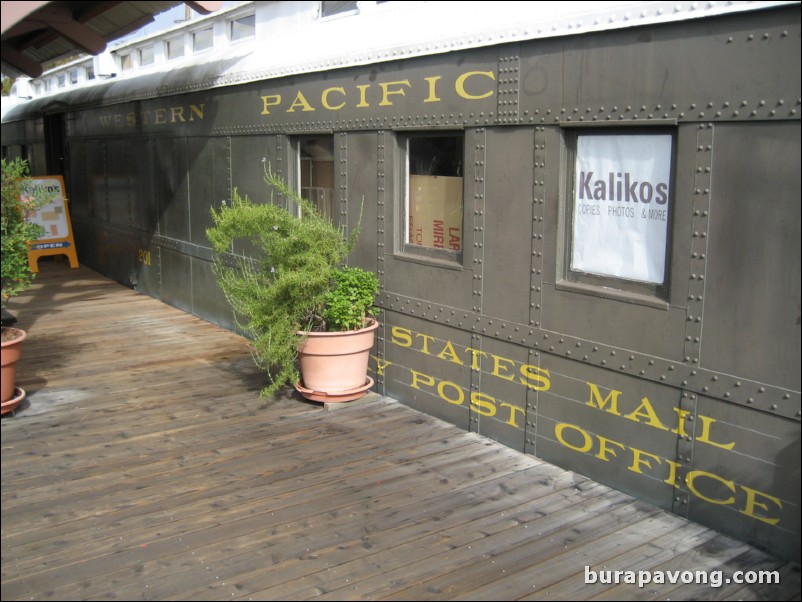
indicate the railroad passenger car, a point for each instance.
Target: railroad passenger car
{"x":586,"y":224}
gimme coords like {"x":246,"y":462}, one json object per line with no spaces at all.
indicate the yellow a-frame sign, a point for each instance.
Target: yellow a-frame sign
{"x":55,"y":219}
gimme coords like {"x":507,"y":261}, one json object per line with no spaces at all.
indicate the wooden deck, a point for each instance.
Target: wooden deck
{"x":144,"y":466}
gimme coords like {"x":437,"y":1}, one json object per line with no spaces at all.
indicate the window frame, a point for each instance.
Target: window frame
{"x":341,"y":12}
{"x":614,"y":287}
{"x":171,"y":44}
{"x":231,"y":23}
{"x":202,"y":30}
{"x":147,"y":55}
{"x":441,"y":257}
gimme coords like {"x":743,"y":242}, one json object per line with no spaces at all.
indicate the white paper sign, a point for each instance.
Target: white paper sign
{"x":621,"y":206}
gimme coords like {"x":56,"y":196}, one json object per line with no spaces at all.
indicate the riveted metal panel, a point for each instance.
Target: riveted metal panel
{"x":752,"y":301}
{"x":98,"y":190}
{"x":147,"y":279}
{"x":171,"y":184}
{"x":118,"y":184}
{"x":144,"y":210}
{"x":682,"y":71}
{"x":355,"y":181}
{"x":541,"y":82}
{"x":209,"y":182}
{"x":117,"y":253}
{"x":80,"y":196}
{"x":615,"y":427}
{"x":422,"y":372}
{"x":592,"y":314}
{"x":745,"y":479}
{"x":247,"y":167}
{"x":208,"y":301}
{"x":508,"y":257}
{"x":176,"y":279}
{"x":452,"y":284}
{"x":499,"y":389}
{"x":431,"y":92}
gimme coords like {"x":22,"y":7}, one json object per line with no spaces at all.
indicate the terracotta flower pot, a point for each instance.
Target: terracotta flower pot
{"x":11,"y":352}
{"x":334,"y":365}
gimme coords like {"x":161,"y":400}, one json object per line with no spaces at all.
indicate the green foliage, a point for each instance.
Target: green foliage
{"x":19,"y":200}
{"x":351,"y":299}
{"x":284,"y":285}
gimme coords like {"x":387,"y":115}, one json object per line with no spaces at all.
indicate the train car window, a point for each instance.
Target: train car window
{"x":126,"y":62}
{"x":242,"y":28}
{"x":202,"y":40}
{"x":434,"y":200}
{"x":316,"y":169}
{"x":337,"y":7}
{"x":90,"y":72}
{"x":62,"y":81}
{"x":146,"y":55}
{"x":74,"y":76}
{"x":175,"y":48}
{"x":619,"y":213}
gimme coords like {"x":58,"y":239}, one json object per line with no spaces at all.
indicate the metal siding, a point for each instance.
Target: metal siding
{"x":209,"y":182}
{"x":172,"y":187}
{"x":177,"y":279}
{"x":764,"y":457}
{"x":356,"y":158}
{"x":144,"y":210}
{"x":80,"y":195}
{"x":752,"y":280}
{"x":148,"y":272}
{"x":578,"y":445}
{"x":418,"y":276}
{"x":208,"y":301}
{"x":118,"y":181}
{"x":593,"y":317}
{"x":682,"y":71}
{"x":247,"y":168}
{"x":730,"y":331}
{"x":508,"y":256}
{"x":98,"y":193}
{"x":651,"y":331}
{"x":419,"y":373}
{"x":498,"y":392}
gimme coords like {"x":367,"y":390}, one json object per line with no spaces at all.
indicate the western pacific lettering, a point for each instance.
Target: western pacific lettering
{"x":621,"y":187}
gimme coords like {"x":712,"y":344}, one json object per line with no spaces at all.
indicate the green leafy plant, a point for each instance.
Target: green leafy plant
{"x":19,"y":200}
{"x":350,"y":302}
{"x":290,"y":280}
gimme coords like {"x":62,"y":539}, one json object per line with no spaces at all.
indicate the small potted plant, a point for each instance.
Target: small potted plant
{"x":283,"y":273}
{"x":18,"y":201}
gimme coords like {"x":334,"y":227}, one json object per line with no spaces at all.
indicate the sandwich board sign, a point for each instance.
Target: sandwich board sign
{"x":55,"y":219}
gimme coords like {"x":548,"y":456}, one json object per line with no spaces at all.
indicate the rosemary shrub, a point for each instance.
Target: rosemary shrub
{"x":289,"y":278}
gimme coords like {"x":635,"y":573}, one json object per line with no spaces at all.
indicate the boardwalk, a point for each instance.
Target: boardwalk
{"x":145,"y":467}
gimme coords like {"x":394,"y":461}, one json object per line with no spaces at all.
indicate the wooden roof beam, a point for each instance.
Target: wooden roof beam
{"x":61,"y":20}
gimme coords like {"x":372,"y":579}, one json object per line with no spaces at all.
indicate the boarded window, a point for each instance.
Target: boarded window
{"x":434,"y":191}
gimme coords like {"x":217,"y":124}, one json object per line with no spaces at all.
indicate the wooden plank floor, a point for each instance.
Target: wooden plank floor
{"x":144,"y":466}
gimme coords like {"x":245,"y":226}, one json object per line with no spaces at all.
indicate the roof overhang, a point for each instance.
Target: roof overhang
{"x":34,"y":33}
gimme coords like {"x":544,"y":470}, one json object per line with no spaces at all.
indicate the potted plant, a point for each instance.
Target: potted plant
{"x":18,"y":201}
{"x":292,"y":293}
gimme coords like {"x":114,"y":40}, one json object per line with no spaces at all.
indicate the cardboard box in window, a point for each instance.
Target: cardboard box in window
{"x":435,"y":212}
